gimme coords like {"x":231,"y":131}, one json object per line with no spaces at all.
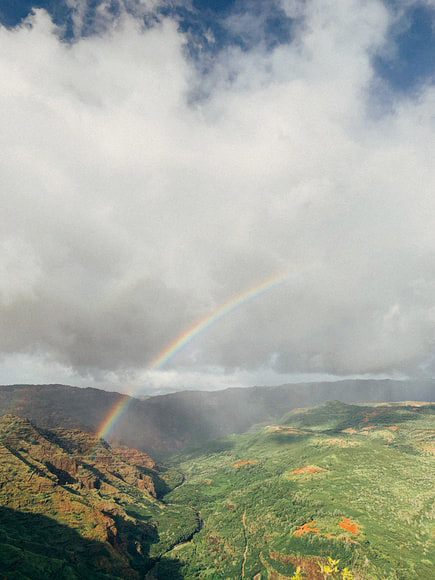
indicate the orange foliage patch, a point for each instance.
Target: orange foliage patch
{"x":393,"y":427}
{"x":349,"y":526}
{"x":306,"y":528}
{"x":248,"y":462}
{"x":308,"y":469}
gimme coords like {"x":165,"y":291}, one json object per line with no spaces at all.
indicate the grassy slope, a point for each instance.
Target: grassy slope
{"x":379,"y":474}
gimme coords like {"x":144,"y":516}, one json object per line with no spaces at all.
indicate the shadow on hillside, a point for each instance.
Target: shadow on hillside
{"x":35,"y":546}
{"x":166,"y":569}
{"x":38,"y":547}
{"x":288,"y":438}
{"x":211,"y":446}
{"x":160,"y":485}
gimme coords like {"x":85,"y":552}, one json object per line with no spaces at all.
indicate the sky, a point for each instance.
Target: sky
{"x":161,"y":160}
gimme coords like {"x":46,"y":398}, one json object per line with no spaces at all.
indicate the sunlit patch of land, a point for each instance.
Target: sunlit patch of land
{"x":338,"y":442}
{"x":308,"y":469}
{"x":284,"y":430}
{"x":246,"y":462}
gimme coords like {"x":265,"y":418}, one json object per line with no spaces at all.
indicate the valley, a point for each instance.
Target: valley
{"x":350,"y":482}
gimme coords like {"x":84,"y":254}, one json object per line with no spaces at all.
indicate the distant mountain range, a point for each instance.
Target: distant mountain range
{"x":165,"y":423}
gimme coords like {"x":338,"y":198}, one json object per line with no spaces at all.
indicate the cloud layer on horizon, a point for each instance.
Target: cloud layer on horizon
{"x":140,"y":193}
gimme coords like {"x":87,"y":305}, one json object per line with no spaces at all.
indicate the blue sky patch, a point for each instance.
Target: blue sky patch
{"x":412,"y":61}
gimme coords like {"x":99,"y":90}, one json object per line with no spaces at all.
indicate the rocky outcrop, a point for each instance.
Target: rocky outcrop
{"x":136,"y":457}
{"x":89,"y":481}
{"x":145,"y":483}
{"x":79,"y":480}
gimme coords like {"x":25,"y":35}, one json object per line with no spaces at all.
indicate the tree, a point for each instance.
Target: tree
{"x":298,"y":574}
{"x":332,"y":571}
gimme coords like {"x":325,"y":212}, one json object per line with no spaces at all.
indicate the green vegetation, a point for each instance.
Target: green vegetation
{"x":355,"y":483}
{"x":337,"y":492}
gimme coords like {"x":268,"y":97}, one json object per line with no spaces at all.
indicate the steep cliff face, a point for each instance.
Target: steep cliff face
{"x":136,"y":457}
{"x":75,"y":458}
{"x":83,"y":484}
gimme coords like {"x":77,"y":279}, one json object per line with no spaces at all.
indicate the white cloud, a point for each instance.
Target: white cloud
{"x":131,"y":209}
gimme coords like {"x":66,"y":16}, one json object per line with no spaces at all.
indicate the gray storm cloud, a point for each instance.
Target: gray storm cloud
{"x":133,"y":205}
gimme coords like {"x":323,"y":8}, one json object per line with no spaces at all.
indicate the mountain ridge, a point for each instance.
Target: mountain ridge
{"x":165,"y":423}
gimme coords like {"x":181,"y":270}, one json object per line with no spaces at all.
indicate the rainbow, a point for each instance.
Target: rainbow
{"x":187,"y":336}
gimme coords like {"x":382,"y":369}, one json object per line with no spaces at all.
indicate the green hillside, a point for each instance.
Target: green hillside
{"x":352,"y":482}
